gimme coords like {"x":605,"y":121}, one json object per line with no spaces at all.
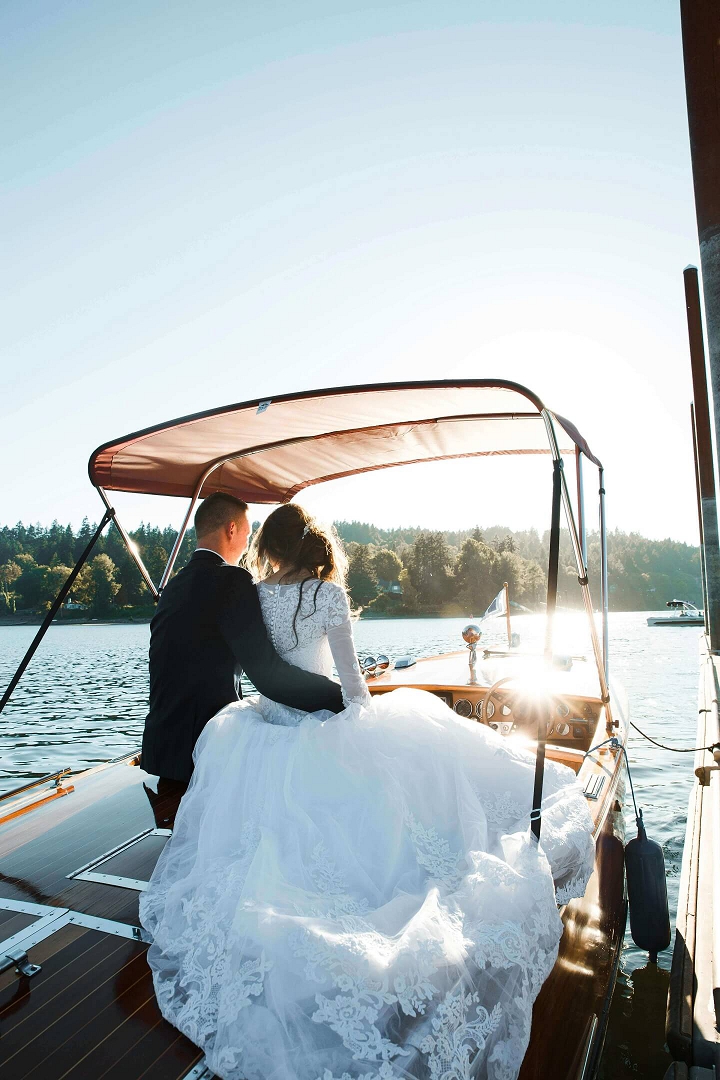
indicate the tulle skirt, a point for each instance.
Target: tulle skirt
{"x":358,"y":896}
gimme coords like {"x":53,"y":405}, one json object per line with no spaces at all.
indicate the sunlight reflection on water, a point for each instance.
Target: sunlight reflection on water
{"x":83,"y":701}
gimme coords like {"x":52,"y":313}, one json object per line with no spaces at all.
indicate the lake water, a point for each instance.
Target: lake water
{"x":83,"y":700}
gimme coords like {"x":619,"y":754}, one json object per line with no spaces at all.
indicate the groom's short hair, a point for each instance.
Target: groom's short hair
{"x":217,"y":510}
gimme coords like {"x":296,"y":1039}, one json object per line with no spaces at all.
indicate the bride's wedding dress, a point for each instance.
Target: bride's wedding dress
{"x":357,"y":897}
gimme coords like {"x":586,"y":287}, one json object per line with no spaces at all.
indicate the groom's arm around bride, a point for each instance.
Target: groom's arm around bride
{"x":207,"y":629}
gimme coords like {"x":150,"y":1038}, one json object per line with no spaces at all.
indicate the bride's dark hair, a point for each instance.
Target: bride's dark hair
{"x":294,"y":538}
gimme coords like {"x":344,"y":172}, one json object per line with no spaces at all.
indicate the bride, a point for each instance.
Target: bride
{"x":357,"y":897}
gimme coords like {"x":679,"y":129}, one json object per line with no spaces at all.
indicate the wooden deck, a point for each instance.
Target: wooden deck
{"x":90,"y":1012}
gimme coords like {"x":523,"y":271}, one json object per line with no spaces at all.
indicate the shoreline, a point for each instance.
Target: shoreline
{"x":144,"y":620}
{"x":36,"y":620}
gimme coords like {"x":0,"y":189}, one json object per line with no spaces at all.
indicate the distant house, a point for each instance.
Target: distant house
{"x":70,"y":605}
{"x":390,"y":587}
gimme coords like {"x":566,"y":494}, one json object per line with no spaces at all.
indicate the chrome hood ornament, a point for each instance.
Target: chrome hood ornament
{"x":472,"y":634}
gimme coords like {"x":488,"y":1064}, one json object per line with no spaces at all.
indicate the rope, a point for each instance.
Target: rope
{"x":615,"y":743}
{"x":675,"y":749}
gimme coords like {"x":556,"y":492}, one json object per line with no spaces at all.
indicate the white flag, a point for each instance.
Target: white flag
{"x":498,"y":606}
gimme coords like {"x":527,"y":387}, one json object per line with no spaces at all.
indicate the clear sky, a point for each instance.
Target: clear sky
{"x":205,"y":203}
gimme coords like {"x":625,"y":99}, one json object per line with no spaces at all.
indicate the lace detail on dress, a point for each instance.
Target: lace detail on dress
{"x":363,"y":994}
{"x":322,"y":633}
{"x":501,"y":809}
{"x":320,"y":608}
{"x":337,"y":903}
{"x":500,"y":946}
{"x":456,"y":1038}
{"x":575,"y":887}
{"x":434,"y":854}
{"x":192,"y":1000}
{"x":385,"y":1072}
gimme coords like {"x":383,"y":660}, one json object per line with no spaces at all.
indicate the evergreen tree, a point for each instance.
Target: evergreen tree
{"x":429,"y":571}
{"x":104,"y":576}
{"x":476,"y":574}
{"x":361,"y":582}
{"x":386,"y":565}
{"x":83,"y":538}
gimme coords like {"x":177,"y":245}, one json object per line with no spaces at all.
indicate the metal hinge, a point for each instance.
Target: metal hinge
{"x":201,"y":1071}
{"x":19,"y":959}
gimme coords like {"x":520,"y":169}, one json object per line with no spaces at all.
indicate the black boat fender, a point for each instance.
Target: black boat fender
{"x":647,"y":892}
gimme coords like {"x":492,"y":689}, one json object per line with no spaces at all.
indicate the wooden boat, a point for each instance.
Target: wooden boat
{"x":76,"y":997}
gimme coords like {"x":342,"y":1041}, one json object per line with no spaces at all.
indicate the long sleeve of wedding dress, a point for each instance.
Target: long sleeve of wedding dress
{"x":342,"y":647}
{"x":358,"y":897}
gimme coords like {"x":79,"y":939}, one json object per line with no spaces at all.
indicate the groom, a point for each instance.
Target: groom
{"x":207,"y":629}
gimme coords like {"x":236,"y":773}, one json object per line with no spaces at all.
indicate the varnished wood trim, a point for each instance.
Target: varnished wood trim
{"x":57,"y":793}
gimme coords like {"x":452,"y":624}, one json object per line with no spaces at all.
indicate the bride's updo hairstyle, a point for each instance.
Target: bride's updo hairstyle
{"x":294,"y":538}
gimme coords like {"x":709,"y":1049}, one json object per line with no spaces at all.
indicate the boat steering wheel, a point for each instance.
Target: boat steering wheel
{"x":509,"y":702}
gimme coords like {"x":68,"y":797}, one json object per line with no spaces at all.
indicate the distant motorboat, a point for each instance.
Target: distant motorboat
{"x":686,"y":614}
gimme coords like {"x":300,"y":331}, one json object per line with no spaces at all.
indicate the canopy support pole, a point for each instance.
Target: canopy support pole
{"x":131,"y":548}
{"x":186,"y":521}
{"x":56,"y":605}
{"x":553,"y":558}
{"x":581,"y":503}
{"x":178,"y":542}
{"x":545,"y":708}
{"x":604,"y":594}
{"x":600,"y":658}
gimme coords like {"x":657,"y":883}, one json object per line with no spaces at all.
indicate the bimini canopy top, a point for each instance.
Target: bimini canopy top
{"x":267,"y":451}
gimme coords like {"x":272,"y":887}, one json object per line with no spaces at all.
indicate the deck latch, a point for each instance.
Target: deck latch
{"x":19,"y":958}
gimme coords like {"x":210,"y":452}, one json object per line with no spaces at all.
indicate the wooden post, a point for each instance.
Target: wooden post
{"x":507,"y":612}
{"x":700,"y":523}
{"x":710,"y":544}
{"x":700,"y":21}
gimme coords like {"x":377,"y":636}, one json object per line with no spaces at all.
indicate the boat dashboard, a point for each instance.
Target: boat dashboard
{"x":508,"y":693}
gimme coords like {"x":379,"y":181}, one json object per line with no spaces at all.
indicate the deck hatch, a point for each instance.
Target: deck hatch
{"x":128,"y":865}
{"x":34,"y":929}
{"x":51,"y":919}
{"x":28,"y":923}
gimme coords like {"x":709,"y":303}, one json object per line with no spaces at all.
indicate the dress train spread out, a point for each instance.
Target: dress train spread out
{"x":358,"y":897}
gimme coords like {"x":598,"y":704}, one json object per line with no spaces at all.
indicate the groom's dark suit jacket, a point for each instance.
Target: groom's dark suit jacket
{"x":207,"y":629}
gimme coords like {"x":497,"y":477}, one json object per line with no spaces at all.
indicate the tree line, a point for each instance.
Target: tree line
{"x":403,"y":571}
{"x":35,"y":561}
